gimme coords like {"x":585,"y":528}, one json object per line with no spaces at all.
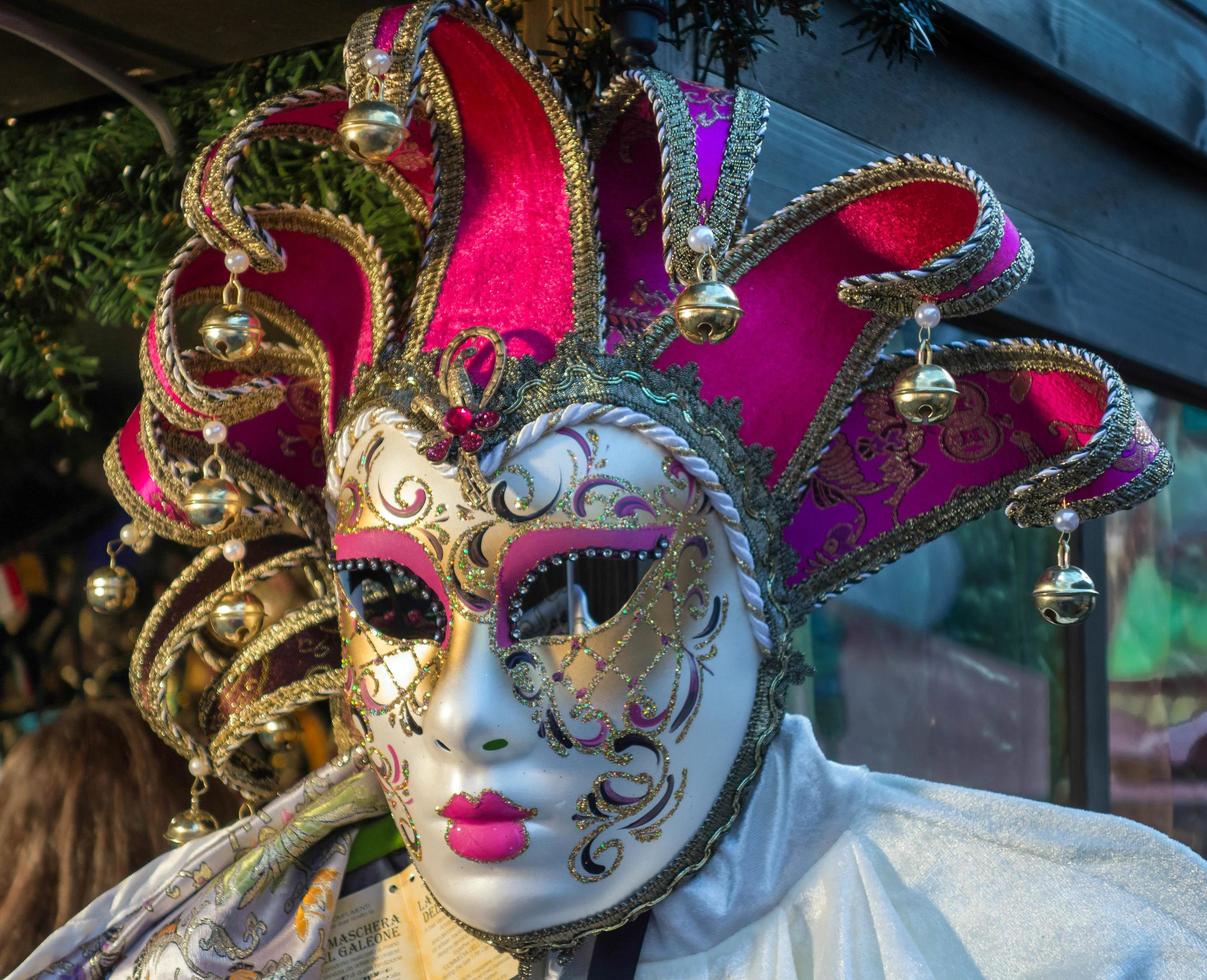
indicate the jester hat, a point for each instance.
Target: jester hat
{"x":568,"y":241}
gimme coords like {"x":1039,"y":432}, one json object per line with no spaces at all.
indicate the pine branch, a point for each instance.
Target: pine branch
{"x":89,"y":213}
{"x":89,"y":219}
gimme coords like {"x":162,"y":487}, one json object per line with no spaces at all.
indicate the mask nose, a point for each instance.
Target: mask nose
{"x":473,"y":713}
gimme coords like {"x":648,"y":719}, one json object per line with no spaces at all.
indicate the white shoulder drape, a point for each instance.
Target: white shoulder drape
{"x":834,"y":872}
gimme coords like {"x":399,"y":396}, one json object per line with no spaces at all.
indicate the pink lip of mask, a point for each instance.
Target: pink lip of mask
{"x":487,"y":830}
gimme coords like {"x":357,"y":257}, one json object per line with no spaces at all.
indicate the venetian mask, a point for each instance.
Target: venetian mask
{"x":545,"y":553}
{"x":545,"y":672}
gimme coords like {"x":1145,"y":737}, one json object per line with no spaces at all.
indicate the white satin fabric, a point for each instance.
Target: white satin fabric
{"x":835,"y":872}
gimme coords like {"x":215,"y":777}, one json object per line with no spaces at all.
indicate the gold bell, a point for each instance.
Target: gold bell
{"x":237,"y":618}
{"x":111,"y":590}
{"x":707,"y":310}
{"x":372,"y":131}
{"x":231,"y":332}
{"x":925,"y":393}
{"x":213,"y":504}
{"x":189,"y":825}
{"x":1064,"y":594}
{"x":193,"y":822}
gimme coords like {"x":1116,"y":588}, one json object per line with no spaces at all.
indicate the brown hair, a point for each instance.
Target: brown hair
{"x":84,"y":802}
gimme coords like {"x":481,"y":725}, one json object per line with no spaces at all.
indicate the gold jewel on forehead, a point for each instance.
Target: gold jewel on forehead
{"x":457,"y":415}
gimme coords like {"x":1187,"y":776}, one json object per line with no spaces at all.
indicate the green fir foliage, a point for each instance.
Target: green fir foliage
{"x":90,"y":217}
{"x":89,"y":203}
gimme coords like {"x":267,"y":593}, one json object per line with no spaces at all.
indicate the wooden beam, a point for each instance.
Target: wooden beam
{"x":1144,"y":57}
{"x":1080,"y":291}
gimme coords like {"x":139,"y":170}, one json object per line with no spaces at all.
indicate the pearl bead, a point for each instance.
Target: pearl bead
{"x":1066,"y":520}
{"x":129,"y":534}
{"x":234,"y":550}
{"x":927,"y":315}
{"x":198,"y":766}
{"x":237,"y":261}
{"x":376,"y":61}
{"x":214,"y":432}
{"x":701,"y":239}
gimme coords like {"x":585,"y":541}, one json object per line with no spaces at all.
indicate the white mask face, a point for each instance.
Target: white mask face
{"x":549,"y":730}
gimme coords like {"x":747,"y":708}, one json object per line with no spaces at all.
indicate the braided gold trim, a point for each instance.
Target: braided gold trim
{"x":150,"y":691}
{"x":210,"y":204}
{"x":680,"y":171}
{"x":257,"y":395}
{"x":742,"y":146}
{"x":449,"y":183}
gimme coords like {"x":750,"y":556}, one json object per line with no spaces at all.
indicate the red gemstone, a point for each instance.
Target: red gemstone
{"x":486,"y":420}
{"x":458,"y":420}
{"x":471,"y":442}
{"x":439,"y":452}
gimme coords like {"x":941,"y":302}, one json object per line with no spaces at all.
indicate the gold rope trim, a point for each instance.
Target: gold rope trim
{"x":449,"y":191}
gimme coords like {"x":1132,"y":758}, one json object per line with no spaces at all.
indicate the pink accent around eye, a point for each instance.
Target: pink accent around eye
{"x":535,"y":546}
{"x":397,"y":547}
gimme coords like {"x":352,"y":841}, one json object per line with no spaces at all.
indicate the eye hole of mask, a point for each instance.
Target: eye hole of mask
{"x":563,"y":595}
{"x":390,"y":599}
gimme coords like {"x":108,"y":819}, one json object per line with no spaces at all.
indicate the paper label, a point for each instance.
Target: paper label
{"x":394,"y":929}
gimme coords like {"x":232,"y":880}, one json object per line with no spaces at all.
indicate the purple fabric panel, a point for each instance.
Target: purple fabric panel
{"x":1001,"y":260}
{"x":1132,"y":462}
{"x":628,"y":176}
{"x":711,"y":111}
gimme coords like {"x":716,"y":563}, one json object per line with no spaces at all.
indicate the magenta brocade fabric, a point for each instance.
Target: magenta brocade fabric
{"x":628,"y":175}
{"x":796,"y":333}
{"x":711,"y":110}
{"x":880,"y":471}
